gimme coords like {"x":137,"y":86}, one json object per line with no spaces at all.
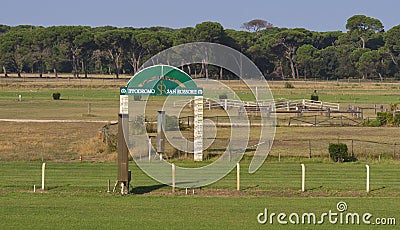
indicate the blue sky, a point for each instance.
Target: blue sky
{"x":317,"y":15}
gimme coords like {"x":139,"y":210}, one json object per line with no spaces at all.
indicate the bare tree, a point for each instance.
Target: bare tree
{"x":256,"y":25}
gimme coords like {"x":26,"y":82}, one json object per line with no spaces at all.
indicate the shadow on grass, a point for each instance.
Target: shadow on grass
{"x":373,"y":190}
{"x":146,"y":189}
{"x":315,"y":188}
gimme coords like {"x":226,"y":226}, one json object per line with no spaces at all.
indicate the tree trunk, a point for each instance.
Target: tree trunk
{"x":55,"y":72}
{"x":206,"y":68}
{"x":363,"y":42}
{"x":393,"y":60}
{"x":86,"y":69}
{"x":292,"y":66}
{"x":19,"y":73}
{"x":116,"y":68}
{"x":40,"y":69}
{"x":380,"y":76}
{"x":189,"y":70}
{"x":5,"y":71}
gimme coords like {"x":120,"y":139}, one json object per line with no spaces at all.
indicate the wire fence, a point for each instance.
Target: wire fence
{"x":318,"y":148}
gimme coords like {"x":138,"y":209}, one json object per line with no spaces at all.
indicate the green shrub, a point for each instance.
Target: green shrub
{"x":386,"y":118}
{"x":56,"y":96}
{"x":339,"y":153}
{"x":314,"y":97}
{"x":223,"y":96}
{"x":373,"y":123}
{"x":289,"y":85}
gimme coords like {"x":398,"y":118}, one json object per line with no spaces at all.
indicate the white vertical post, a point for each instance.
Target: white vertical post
{"x":198,"y":128}
{"x":43,"y":171}
{"x":150,"y":149}
{"x":303,"y":178}
{"x":257,"y":95}
{"x":237,"y":176}
{"x":367,"y":166}
{"x":34,"y":188}
{"x":173,"y":177}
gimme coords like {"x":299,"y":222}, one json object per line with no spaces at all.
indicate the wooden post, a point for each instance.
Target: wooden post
{"x":173,"y":176}
{"x":303,"y":178}
{"x":187,"y":149}
{"x":43,"y":172}
{"x":229,"y":154}
{"x":394,"y":151}
{"x":309,"y":149}
{"x":237,"y":176}
{"x":352,"y":152}
{"x":367,"y":166}
{"x":89,"y":108}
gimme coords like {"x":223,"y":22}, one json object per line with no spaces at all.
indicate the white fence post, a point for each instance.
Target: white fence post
{"x":43,"y":172}
{"x":367,"y":166}
{"x":237,"y":176}
{"x":173,"y":177}
{"x":149,"y":149}
{"x":303,"y":178}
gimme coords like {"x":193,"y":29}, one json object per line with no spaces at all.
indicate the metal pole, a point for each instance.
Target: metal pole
{"x":122,"y":147}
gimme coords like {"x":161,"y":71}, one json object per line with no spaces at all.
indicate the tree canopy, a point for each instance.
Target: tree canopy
{"x":364,"y":51}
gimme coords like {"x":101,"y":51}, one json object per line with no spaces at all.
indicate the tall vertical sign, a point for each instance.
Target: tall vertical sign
{"x":123,"y":172}
{"x":198,"y":128}
{"x":123,"y":101}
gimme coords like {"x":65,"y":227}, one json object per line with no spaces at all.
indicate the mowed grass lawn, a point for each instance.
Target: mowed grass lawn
{"x":76,"y":196}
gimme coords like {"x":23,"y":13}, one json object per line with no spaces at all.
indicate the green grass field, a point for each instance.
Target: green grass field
{"x":76,"y":196}
{"x":76,"y":192}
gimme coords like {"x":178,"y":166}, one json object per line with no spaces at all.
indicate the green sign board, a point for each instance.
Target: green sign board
{"x":161,"y":87}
